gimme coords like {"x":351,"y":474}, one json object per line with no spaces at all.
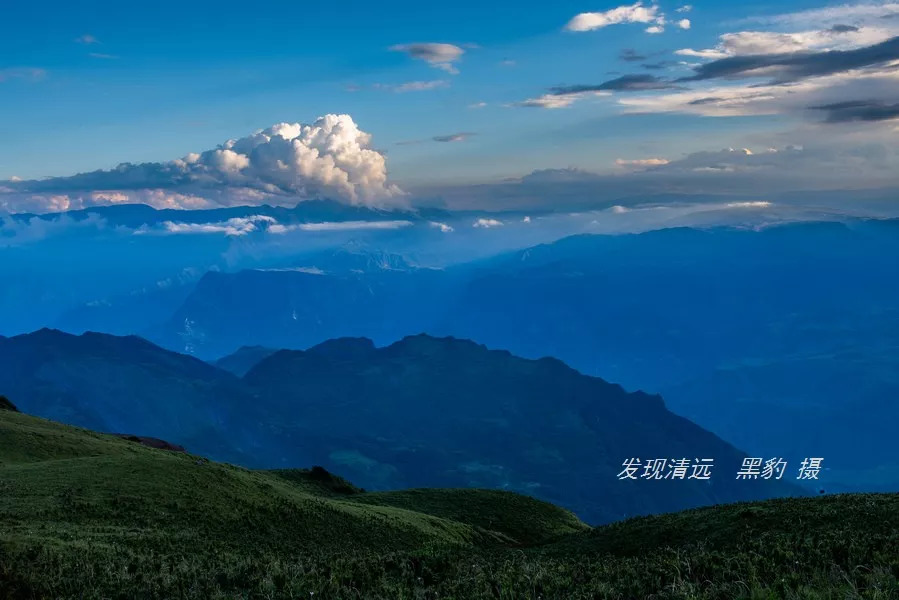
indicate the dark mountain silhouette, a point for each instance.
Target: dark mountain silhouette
{"x":247,"y":357}
{"x":115,"y":384}
{"x":423,"y":411}
{"x":5,"y":404}
{"x":426,"y":411}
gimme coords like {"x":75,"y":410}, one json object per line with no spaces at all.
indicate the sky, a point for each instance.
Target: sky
{"x":200,"y":104}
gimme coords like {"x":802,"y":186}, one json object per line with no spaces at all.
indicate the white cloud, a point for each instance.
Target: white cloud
{"x":864,"y":12}
{"x":526,"y":220}
{"x":286,"y":163}
{"x":441,"y":226}
{"x":684,"y":9}
{"x":747,"y":99}
{"x":634,"y":13}
{"x":654,"y":29}
{"x":548,"y":101}
{"x":439,"y":56}
{"x":818,"y":34}
{"x":232,"y":227}
{"x":684,"y":23}
{"x":477,"y":105}
{"x":750,"y":204}
{"x":708,"y":53}
{"x":557,"y":100}
{"x":486,"y":223}
{"x":641,"y":162}
{"x":339,"y":226}
{"x":87,"y":39}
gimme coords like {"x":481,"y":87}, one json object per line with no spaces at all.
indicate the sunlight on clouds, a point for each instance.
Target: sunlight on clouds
{"x":634,"y":13}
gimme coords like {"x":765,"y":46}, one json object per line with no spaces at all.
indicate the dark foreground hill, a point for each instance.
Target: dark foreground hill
{"x":85,"y":515}
{"x":422,"y":412}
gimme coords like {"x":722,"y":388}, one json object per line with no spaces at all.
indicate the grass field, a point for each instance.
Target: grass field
{"x":84,"y":515}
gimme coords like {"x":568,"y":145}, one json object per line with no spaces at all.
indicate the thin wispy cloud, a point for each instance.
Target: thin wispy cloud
{"x":453,"y":137}
{"x":417,"y":86}
{"x":22,"y":73}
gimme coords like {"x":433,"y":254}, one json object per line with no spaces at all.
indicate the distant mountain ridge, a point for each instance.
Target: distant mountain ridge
{"x":422,"y":411}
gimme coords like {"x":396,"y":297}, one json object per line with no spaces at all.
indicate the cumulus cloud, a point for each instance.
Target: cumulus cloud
{"x":439,"y":56}
{"x":284,"y":164}
{"x":486,"y":223}
{"x":684,"y":23}
{"x":634,"y":13}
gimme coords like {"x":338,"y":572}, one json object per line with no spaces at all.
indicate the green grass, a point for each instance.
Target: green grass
{"x":84,"y":515}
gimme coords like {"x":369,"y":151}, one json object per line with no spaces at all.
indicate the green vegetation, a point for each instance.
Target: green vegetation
{"x":5,"y":404}
{"x":84,"y":515}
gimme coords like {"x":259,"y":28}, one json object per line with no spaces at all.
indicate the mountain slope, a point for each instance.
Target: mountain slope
{"x":122,"y":385}
{"x":86,"y":515}
{"x":443,"y":412}
{"x":299,"y":308}
{"x":244,"y":359}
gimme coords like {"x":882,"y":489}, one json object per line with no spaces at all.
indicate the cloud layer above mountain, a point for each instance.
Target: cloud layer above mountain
{"x":286,"y":163}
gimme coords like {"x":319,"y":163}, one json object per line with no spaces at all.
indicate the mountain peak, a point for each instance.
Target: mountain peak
{"x":344,"y":348}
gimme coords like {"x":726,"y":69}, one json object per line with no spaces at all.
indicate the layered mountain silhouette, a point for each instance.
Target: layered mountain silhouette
{"x":781,"y":340}
{"x":423,"y":411}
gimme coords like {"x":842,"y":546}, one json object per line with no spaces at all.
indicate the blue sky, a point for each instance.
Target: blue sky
{"x":87,"y":86}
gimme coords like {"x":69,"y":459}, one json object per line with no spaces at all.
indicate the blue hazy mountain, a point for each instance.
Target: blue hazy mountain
{"x":421,"y":412}
{"x":783,"y":340}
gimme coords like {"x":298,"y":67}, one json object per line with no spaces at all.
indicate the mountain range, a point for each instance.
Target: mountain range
{"x":422,"y":411}
{"x":784,"y":340}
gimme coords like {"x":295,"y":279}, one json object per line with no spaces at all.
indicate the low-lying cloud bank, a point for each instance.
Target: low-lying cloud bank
{"x":281,"y":165}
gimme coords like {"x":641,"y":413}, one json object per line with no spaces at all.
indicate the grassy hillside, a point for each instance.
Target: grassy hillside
{"x":84,"y":515}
